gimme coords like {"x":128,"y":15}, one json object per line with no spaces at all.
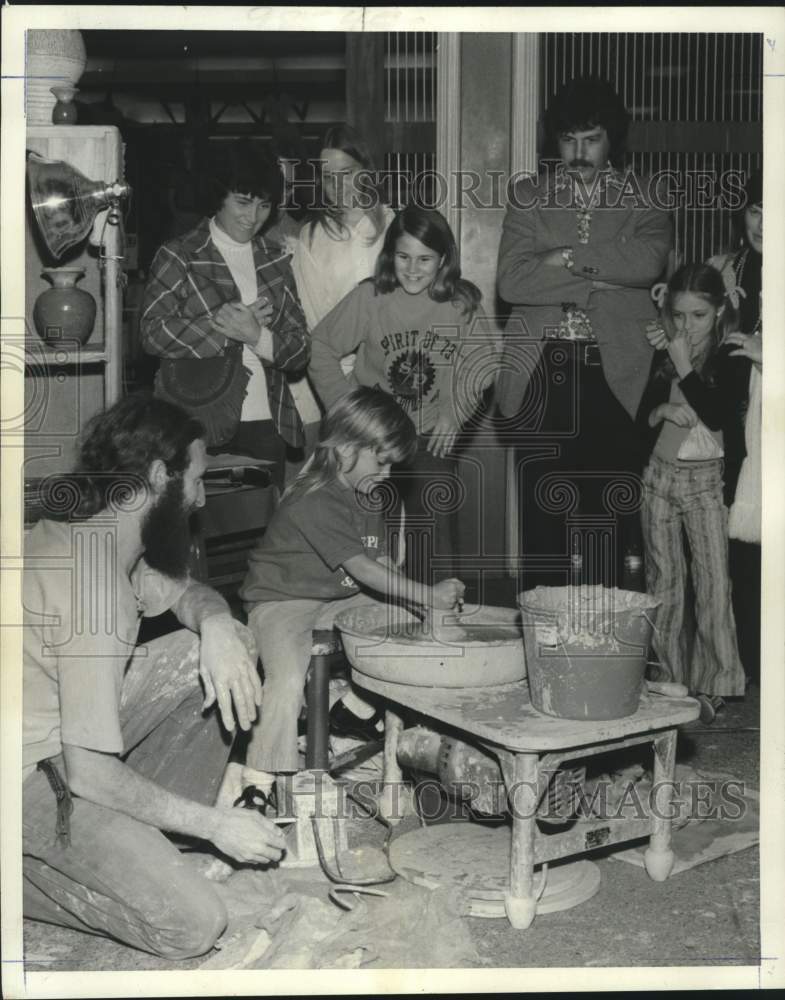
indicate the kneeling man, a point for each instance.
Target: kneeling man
{"x":117,"y":747}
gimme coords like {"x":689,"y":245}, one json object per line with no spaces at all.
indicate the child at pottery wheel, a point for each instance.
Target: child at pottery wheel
{"x":326,"y":544}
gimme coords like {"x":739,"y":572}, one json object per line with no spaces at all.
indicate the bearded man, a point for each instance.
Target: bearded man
{"x":117,"y":746}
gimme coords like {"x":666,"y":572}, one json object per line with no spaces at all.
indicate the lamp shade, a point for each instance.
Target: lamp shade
{"x":64,"y":202}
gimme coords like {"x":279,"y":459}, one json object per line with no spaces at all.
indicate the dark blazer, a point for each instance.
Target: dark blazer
{"x":719,"y":405}
{"x":627,"y":252}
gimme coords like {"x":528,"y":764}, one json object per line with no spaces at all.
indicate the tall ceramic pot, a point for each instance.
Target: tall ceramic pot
{"x":53,"y":58}
{"x":64,"y":312}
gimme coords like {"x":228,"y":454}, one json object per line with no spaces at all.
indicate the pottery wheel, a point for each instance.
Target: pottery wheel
{"x":475,"y":859}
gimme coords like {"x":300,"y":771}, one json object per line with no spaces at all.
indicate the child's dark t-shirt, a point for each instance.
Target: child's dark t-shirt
{"x":310,"y":537}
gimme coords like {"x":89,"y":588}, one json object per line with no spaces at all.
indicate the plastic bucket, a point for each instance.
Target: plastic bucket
{"x":586,"y":649}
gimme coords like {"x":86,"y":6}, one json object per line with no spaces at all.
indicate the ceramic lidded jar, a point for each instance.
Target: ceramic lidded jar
{"x":64,"y":312}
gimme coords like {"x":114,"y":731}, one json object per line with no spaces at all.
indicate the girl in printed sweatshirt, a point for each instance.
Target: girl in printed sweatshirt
{"x":414,"y":328}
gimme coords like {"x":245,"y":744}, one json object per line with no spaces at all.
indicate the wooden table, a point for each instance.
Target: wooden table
{"x":528,"y":746}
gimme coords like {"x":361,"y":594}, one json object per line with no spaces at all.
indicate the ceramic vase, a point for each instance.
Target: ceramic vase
{"x":64,"y":112}
{"x":53,"y":59}
{"x":64,"y":312}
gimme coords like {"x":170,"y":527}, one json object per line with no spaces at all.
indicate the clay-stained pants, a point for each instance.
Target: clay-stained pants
{"x":283,"y":632}
{"x":120,"y":877}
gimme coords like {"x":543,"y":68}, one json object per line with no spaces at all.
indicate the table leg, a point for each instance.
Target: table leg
{"x":520,"y":777}
{"x":659,"y":857}
{"x":391,"y":801}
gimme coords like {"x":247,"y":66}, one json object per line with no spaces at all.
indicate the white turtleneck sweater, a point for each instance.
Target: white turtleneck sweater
{"x":239,"y":260}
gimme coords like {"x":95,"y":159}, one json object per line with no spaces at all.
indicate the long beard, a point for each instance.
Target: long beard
{"x":165,"y":533}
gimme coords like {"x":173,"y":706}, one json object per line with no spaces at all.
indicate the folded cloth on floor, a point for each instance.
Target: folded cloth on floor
{"x":716,"y":815}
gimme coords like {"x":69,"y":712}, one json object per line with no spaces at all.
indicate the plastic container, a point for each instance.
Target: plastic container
{"x":586,"y":649}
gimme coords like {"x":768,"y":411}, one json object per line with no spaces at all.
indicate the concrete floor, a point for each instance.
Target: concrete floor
{"x":707,"y":916}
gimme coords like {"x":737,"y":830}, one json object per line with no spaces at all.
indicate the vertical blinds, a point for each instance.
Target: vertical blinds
{"x":410,"y":96}
{"x":698,"y":86}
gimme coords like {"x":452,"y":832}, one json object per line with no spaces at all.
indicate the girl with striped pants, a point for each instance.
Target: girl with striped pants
{"x":692,"y":395}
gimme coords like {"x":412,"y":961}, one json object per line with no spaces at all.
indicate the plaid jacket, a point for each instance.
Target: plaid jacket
{"x":189,"y":280}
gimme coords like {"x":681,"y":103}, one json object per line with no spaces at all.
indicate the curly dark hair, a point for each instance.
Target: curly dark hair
{"x":119,"y":445}
{"x":753,"y":195}
{"x":244,"y":167}
{"x":584,"y":103}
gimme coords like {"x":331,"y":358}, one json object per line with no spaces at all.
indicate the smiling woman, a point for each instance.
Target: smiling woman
{"x":221,"y":311}
{"x":242,"y":215}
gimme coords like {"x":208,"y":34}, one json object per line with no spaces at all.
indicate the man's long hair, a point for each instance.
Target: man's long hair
{"x":120,"y":444}
{"x":585,"y":103}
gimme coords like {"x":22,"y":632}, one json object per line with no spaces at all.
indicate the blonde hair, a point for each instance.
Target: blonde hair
{"x":707,"y":282}
{"x":363,"y":418}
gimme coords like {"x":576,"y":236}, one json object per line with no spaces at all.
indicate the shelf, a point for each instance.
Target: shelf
{"x":69,"y":383}
{"x":70,"y":353}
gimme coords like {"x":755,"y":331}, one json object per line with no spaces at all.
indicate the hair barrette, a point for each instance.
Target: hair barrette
{"x":658,"y":293}
{"x":732,"y":295}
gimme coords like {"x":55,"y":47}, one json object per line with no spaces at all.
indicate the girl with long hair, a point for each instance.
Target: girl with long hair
{"x":349,"y":190}
{"x":338,"y":245}
{"x":412,"y":328}
{"x":687,"y":404}
{"x":324,"y":549}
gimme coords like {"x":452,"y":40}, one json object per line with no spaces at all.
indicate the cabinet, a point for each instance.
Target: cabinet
{"x":67,"y":384}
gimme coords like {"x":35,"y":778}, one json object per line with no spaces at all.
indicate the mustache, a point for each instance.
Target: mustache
{"x":580,"y":163}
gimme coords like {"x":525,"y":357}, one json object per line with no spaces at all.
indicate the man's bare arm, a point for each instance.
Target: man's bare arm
{"x":227,"y":655}
{"x":102,"y":778}
{"x":197,"y":603}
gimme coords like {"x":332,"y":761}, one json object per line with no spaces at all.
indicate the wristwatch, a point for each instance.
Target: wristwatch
{"x":567,"y":257}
